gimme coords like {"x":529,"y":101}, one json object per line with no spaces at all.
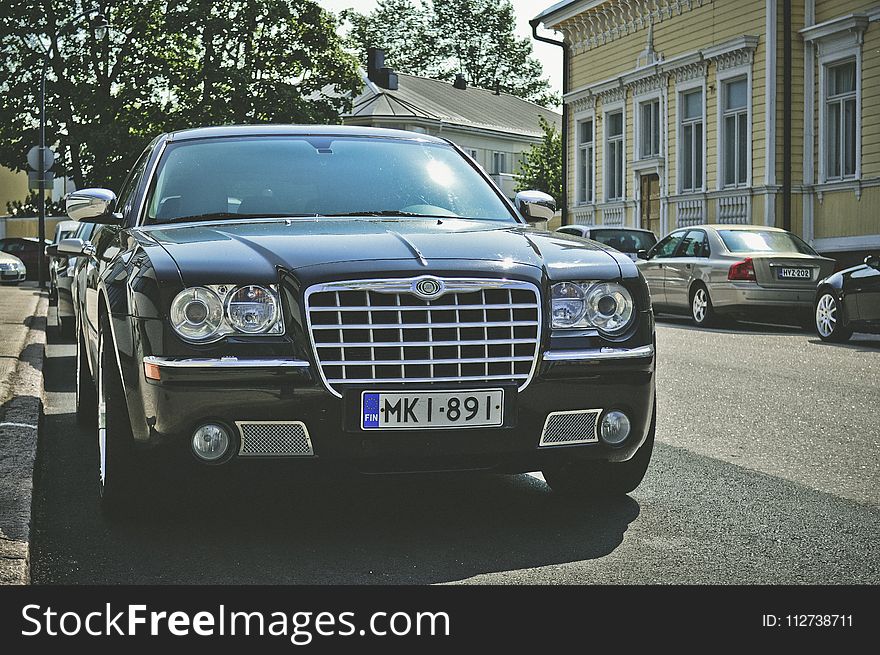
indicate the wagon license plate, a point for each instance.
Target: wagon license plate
{"x":419,"y":410}
{"x":795,"y":273}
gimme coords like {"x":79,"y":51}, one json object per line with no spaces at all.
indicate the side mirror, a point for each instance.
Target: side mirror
{"x":873,"y":261}
{"x":92,"y":206}
{"x":642,"y":254}
{"x":52,"y":251}
{"x":75,"y":247}
{"x":535,"y":206}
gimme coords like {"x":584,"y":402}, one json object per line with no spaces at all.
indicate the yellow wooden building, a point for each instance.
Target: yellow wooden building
{"x":680,"y":112}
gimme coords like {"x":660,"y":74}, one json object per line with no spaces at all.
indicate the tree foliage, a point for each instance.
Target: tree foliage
{"x":441,"y":38}
{"x":542,"y":164}
{"x":164,"y":64}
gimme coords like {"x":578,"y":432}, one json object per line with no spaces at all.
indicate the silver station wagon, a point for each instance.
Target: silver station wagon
{"x":740,"y":271}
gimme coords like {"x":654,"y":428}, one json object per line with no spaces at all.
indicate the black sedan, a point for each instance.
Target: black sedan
{"x":359,"y":297}
{"x":849,"y":301}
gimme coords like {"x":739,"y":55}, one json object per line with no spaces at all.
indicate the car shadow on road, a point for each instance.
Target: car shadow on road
{"x":868,"y":343}
{"x":267,"y":523}
{"x":730,"y":327}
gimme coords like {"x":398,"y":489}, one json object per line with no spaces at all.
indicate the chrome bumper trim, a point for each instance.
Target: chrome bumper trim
{"x":596,"y":354}
{"x":225,"y":362}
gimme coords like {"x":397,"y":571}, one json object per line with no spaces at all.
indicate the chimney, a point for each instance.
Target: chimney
{"x":375,"y":62}
{"x":388,"y":79}
{"x":460,"y":82}
{"x":497,"y":88}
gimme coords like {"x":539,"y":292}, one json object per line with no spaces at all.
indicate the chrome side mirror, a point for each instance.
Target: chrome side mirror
{"x":873,"y":261}
{"x":92,"y":206}
{"x":535,"y":206}
{"x":74,"y":247}
{"x":642,"y":254}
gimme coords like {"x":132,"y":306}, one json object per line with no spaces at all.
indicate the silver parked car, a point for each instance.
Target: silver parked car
{"x":743,"y":271}
{"x":12,"y":269}
{"x":628,"y":240}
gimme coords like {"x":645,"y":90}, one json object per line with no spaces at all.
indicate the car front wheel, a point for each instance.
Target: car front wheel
{"x":584,"y":479}
{"x":702,"y":311}
{"x":829,"y":321}
{"x":114,"y":432}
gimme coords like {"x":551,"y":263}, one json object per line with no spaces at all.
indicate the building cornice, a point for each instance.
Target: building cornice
{"x":855,"y":23}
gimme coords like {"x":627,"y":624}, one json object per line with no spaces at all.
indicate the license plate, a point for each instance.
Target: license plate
{"x":795,"y":273}
{"x":418,"y":410}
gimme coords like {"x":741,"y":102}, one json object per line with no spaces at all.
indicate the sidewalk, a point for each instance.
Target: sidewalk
{"x":22,"y":343}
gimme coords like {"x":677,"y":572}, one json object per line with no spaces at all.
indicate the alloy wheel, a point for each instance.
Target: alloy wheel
{"x":826,"y":315}
{"x":700,"y":303}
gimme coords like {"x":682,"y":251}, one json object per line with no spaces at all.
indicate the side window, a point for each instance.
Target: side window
{"x":126,"y":193}
{"x":570,"y":230}
{"x":666,"y":247}
{"x":695,"y":245}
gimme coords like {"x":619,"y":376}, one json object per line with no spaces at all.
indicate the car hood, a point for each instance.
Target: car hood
{"x":231,"y":251}
{"x":6,"y":258}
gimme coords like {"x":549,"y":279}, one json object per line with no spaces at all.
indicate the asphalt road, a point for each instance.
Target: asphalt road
{"x":767,"y":470}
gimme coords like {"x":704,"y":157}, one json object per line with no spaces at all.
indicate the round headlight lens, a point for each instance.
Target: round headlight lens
{"x":609,"y":306}
{"x":251,"y":309}
{"x":567,"y":304}
{"x":196,"y":313}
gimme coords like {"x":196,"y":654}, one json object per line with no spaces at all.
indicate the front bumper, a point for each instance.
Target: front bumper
{"x":231,"y":391}
{"x":12,"y":275}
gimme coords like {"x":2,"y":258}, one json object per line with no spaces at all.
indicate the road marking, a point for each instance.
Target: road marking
{"x":18,"y":425}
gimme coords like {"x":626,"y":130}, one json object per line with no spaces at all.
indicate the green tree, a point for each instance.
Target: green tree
{"x":443,"y":38}
{"x":164,"y":64}
{"x":542,"y":165}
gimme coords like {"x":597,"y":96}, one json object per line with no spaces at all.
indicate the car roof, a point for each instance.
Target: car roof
{"x":67,"y":225}
{"x":297,"y":130}
{"x":606,"y":227}
{"x":724,"y":226}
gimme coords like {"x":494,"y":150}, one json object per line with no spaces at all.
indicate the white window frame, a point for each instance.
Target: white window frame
{"x":579,"y":118}
{"x":831,"y":57}
{"x":722,"y":78}
{"x":681,"y":89}
{"x":613,"y":108}
{"x":472,"y":153}
{"x":499,"y":169}
{"x":638,"y":101}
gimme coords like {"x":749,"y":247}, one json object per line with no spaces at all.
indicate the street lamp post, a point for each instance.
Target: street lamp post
{"x":100,"y":25}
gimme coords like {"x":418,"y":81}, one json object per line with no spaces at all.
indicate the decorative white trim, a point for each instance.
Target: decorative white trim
{"x":855,"y":23}
{"x":722,"y":77}
{"x":583,"y":215}
{"x":809,"y":116}
{"x":770,"y":110}
{"x":638,"y":101}
{"x":837,"y":244}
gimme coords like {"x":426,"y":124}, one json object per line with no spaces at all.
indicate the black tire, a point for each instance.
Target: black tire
{"x":66,"y":326}
{"x":115,"y":440}
{"x":828,"y":318}
{"x":702,"y":311}
{"x":86,"y":397}
{"x":583,"y":479}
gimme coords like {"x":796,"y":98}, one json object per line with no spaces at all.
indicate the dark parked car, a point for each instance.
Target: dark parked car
{"x":629,"y":240}
{"x":359,"y":297}
{"x":61,"y":276}
{"x":27,"y":249}
{"x":849,"y":301}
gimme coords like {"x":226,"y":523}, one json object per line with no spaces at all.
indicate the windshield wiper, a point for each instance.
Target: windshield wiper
{"x":389,"y":212}
{"x":213,"y":216}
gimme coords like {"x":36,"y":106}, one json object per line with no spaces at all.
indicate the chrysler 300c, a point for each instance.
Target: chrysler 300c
{"x":359,"y":297}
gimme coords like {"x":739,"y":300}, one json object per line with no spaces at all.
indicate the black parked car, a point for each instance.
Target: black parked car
{"x":355,"y":296}
{"x":849,"y":301}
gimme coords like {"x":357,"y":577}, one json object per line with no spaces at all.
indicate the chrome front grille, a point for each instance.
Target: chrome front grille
{"x":382,"y":331}
{"x":566,"y":428}
{"x":274,"y":438}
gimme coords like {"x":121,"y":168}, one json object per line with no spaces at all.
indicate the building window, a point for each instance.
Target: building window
{"x":840,"y":120}
{"x":585,"y":161}
{"x":471,"y":153}
{"x":649,"y":129}
{"x":691,"y":144}
{"x":735,"y":132}
{"x":499,"y":163}
{"x":614,"y":158}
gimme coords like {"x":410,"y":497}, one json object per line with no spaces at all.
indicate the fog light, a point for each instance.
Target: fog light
{"x":615,"y":427}
{"x":210,"y":442}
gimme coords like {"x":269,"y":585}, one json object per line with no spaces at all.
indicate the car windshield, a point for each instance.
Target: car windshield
{"x":318,"y":176}
{"x":624,"y":240}
{"x":764,"y":241}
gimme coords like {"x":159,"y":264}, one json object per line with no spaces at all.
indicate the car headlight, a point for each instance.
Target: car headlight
{"x":606,"y":306}
{"x":251,"y":309}
{"x":211,"y":312}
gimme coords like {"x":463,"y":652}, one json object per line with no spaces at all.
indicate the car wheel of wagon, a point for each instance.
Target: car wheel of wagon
{"x":702,"y":311}
{"x":86,"y":400}
{"x":582,"y":479}
{"x":113,"y":431}
{"x":829,"y":322}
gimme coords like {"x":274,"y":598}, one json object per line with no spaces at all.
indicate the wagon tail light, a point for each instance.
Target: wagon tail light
{"x":744,"y":270}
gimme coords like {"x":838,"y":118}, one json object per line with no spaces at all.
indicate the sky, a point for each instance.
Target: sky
{"x":550,"y":56}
